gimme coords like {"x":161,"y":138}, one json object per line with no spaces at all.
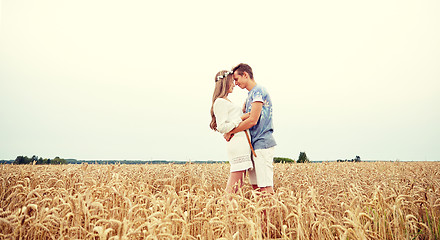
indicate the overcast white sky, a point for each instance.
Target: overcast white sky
{"x":134,"y":79}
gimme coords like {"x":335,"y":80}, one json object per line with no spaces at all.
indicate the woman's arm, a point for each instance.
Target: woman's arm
{"x":254,"y":115}
{"x":221,"y":113}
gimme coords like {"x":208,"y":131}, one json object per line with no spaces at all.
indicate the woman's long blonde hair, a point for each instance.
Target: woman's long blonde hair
{"x":223,"y":81}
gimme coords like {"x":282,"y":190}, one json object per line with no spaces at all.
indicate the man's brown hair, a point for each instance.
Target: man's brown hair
{"x":243,"y":67}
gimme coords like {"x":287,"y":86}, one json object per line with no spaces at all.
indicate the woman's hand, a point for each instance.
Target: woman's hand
{"x":228,"y":136}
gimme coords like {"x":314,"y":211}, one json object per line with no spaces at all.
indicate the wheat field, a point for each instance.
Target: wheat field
{"x":382,"y":200}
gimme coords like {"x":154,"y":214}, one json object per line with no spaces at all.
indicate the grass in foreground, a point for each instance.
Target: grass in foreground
{"x":311,"y":201}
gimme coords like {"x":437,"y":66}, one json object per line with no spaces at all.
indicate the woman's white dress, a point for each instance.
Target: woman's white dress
{"x":228,"y":116}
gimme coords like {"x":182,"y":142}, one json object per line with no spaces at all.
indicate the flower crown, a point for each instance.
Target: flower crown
{"x":224,"y":75}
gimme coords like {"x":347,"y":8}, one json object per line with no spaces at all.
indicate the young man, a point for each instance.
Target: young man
{"x":259,"y":123}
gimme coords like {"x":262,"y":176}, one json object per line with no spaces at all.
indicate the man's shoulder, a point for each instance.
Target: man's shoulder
{"x":259,"y":90}
{"x":258,"y":87}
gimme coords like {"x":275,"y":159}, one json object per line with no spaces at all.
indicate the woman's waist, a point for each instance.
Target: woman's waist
{"x":240,"y":135}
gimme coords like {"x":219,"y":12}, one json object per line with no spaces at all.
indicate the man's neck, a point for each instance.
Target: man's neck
{"x":251,"y":84}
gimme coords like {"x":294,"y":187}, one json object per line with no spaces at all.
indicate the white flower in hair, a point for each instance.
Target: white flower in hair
{"x":224,"y":75}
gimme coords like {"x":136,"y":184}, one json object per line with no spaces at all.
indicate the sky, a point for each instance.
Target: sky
{"x":96,"y":80}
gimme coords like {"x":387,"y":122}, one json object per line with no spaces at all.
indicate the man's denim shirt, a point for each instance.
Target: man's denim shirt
{"x":261,"y":133}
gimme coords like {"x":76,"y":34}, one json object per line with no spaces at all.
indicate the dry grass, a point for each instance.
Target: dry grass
{"x":312,"y":201}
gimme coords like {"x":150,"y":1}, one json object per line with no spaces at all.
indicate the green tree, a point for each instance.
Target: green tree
{"x":58,"y":160}
{"x":303,"y":158}
{"x":37,"y":160}
{"x":283,"y":160}
{"x":22,"y":160}
{"x":18,"y":160}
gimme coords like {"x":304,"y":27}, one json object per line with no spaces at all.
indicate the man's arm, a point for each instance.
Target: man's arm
{"x":249,"y":122}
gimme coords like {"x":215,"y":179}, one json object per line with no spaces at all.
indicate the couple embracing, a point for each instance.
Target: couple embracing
{"x":256,"y":155}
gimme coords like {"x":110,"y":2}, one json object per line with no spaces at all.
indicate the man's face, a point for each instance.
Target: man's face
{"x":240,"y":80}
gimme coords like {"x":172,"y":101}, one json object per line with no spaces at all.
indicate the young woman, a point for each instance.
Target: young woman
{"x":225,"y":117}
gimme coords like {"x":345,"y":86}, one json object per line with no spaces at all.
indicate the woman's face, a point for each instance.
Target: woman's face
{"x":231,"y":86}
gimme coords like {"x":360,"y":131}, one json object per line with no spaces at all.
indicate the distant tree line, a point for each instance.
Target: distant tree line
{"x":36,"y":160}
{"x":57,"y":160}
{"x":283,"y":160}
{"x":301,"y":159}
{"x":356,"y":159}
